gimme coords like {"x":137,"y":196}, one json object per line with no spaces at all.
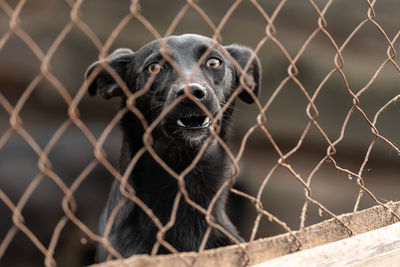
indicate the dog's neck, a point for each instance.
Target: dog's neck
{"x":204,"y":179}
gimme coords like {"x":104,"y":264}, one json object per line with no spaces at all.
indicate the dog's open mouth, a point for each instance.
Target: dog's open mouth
{"x":194,"y":122}
{"x":188,"y":127}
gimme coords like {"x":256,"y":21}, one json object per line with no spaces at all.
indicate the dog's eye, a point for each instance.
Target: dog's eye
{"x":154,"y":68}
{"x":213,"y":63}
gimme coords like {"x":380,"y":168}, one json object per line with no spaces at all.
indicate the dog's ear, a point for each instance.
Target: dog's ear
{"x":120,"y":61}
{"x":243,"y":55}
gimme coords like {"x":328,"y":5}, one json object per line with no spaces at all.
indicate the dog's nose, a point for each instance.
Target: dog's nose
{"x":198,"y":91}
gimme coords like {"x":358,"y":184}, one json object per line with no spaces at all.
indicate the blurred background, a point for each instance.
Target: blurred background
{"x":45,"y":111}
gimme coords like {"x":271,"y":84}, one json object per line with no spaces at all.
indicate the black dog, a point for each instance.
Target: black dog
{"x":177,"y":138}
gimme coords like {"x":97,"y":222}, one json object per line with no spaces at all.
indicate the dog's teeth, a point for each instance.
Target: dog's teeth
{"x":206,"y":121}
{"x":179,"y":122}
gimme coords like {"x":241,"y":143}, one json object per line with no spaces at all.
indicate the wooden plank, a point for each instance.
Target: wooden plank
{"x":269,"y":248}
{"x":376,"y":248}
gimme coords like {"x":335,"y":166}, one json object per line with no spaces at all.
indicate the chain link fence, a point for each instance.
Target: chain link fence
{"x":322,"y":138}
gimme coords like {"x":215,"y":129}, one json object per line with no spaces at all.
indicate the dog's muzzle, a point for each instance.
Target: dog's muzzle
{"x":187,"y":123}
{"x":199,"y":93}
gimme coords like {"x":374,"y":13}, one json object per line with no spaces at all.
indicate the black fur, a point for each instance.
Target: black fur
{"x":133,"y":232}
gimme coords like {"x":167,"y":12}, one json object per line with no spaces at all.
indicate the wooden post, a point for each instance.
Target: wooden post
{"x":376,"y":248}
{"x":375,"y":242}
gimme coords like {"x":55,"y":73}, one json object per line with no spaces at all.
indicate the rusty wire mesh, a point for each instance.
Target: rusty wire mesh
{"x":339,"y":69}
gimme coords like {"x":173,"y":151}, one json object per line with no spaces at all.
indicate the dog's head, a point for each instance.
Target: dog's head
{"x":187,"y":78}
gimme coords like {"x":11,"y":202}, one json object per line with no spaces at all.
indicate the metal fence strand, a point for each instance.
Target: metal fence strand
{"x":307,"y":65}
